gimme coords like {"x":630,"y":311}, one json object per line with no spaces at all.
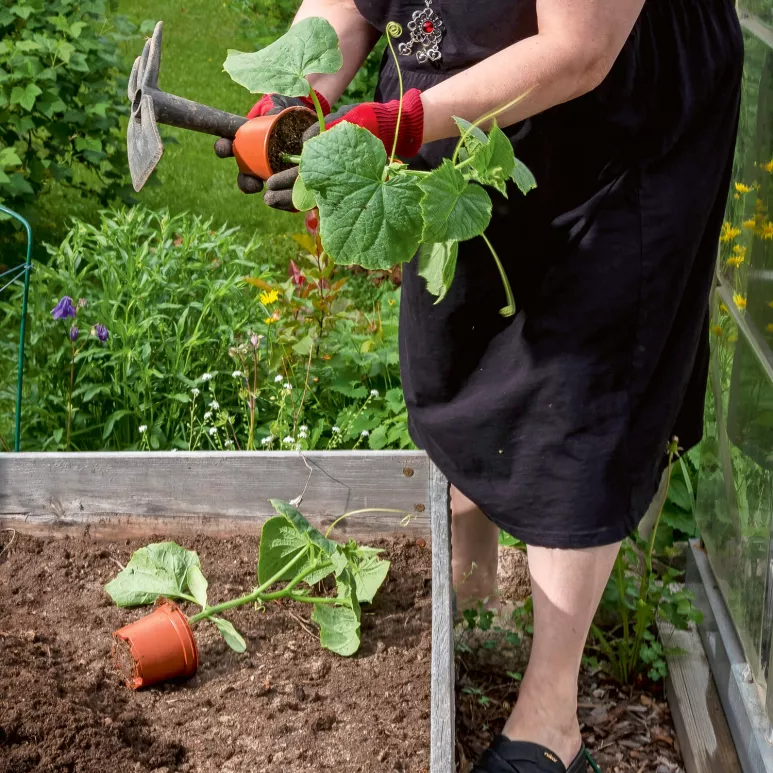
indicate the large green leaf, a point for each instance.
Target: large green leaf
{"x":198,"y":584}
{"x":364,"y":218}
{"x":159,"y":569}
{"x":339,"y":625}
{"x":232,"y":637}
{"x":339,"y":628}
{"x":491,"y":159}
{"x":310,"y":46}
{"x":280,"y":543}
{"x":297,"y":519}
{"x":453,"y":209}
{"x":369,"y":571}
{"x":437,"y":264}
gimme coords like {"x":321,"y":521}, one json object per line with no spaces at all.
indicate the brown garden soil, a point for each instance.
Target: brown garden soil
{"x":287,"y":137}
{"x":626,"y":730}
{"x":284,"y":706}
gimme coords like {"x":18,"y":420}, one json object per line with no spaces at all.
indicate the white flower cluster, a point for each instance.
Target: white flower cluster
{"x":143,"y":428}
{"x":267,"y":441}
{"x":237,"y":374}
{"x":195,"y":391}
{"x":374,"y":392}
{"x":214,"y":405}
{"x":206,"y":377}
{"x":279,"y":377}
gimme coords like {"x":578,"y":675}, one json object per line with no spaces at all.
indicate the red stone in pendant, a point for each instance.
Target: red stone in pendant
{"x":428,"y":27}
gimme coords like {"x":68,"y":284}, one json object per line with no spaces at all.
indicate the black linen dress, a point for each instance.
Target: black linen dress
{"x":555,"y":421}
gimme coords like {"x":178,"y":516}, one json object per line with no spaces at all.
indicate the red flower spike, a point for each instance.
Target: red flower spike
{"x":312,"y":221}
{"x":296,"y":276}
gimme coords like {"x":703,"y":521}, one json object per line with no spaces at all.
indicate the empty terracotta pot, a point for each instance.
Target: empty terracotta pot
{"x":260,"y":143}
{"x":156,"y":647}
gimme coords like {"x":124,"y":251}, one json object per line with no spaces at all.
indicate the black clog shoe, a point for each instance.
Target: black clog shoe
{"x":506,"y":756}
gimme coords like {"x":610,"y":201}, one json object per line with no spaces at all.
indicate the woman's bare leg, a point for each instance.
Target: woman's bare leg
{"x":474,"y":551}
{"x":566,"y":586}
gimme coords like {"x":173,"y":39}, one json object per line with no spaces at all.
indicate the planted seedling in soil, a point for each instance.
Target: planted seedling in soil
{"x":293,"y":558}
{"x":374,"y":210}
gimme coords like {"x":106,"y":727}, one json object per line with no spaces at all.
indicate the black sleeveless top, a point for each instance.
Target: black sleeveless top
{"x":555,"y":421}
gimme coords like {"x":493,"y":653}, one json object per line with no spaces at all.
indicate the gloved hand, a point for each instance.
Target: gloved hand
{"x":380,"y":118}
{"x":269,"y":104}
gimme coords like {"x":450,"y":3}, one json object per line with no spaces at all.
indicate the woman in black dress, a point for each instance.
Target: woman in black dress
{"x":554,"y":423}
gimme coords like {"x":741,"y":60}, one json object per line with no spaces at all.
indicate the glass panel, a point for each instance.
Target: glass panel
{"x":763,"y":9}
{"x":746,"y":247}
{"x":735,"y":494}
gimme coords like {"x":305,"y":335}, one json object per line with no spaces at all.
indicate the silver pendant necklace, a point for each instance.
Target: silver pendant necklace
{"x":426,"y":30}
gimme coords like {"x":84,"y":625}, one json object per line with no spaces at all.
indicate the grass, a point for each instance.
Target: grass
{"x":197,"y":35}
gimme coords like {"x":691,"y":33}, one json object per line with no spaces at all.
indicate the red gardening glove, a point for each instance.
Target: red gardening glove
{"x":270,"y":103}
{"x":380,"y":119}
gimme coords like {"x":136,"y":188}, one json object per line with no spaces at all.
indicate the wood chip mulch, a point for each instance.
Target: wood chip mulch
{"x":628,"y":730}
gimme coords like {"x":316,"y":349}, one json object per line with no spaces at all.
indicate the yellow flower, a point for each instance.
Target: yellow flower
{"x":770,"y":327}
{"x":732,"y":339}
{"x":722,"y":307}
{"x":766,"y":231}
{"x":770,"y":304}
{"x":729,"y":232}
{"x":741,"y":188}
{"x":768,"y":167}
{"x":739,"y":300}
{"x":267,"y":298}
{"x":736,"y":196}
{"x":735,"y":261}
{"x":269,"y":320}
{"x":751,"y":224}
{"x":717,"y":330}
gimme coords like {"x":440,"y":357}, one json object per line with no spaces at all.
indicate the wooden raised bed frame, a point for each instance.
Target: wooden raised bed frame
{"x":136,"y":494}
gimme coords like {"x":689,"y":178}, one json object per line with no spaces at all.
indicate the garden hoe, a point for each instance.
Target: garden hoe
{"x":152,"y":106}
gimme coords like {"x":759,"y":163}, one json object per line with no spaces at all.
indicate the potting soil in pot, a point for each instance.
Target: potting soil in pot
{"x":285,"y":705}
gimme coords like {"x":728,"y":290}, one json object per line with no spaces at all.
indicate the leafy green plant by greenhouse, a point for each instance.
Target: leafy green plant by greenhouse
{"x":292,"y":553}
{"x":638,"y":594}
{"x":374,"y":210}
{"x":59,"y":118}
{"x":180,"y":370}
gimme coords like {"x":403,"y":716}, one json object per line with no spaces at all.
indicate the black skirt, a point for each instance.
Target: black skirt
{"x":555,"y":421}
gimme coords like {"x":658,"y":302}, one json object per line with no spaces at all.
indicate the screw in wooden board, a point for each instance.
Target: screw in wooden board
{"x":408,"y":472}
{"x":419,"y":508}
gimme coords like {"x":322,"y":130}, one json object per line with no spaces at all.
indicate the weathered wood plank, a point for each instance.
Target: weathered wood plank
{"x":135,"y":494}
{"x":704,"y":736}
{"x":442,"y":749}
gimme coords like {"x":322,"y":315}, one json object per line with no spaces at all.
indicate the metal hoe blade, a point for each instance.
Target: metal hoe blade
{"x":151,"y":106}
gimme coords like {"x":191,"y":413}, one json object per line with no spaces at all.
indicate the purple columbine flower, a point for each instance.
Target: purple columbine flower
{"x":74,"y":333}
{"x":101,"y":333}
{"x":63,"y":309}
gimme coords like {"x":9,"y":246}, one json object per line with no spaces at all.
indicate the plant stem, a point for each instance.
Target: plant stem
{"x":318,"y":108}
{"x":359,"y":512}
{"x":509,"y":310}
{"x":69,"y":396}
{"x":395,"y":30}
{"x":289,"y":158}
{"x":255,"y":595}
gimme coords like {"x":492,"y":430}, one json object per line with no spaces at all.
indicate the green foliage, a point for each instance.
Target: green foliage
{"x":59,"y":113}
{"x":291,"y":551}
{"x":310,"y":46}
{"x":641,"y":592}
{"x":182,"y":308}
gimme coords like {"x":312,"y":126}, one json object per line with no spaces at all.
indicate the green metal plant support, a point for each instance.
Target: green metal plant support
{"x":17,"y":272}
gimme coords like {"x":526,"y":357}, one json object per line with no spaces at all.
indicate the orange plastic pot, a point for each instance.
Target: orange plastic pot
{"x":156,"y":647}
{"x":260,"y":143}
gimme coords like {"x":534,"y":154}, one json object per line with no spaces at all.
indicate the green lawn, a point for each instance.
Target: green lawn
{"x":197,"y":35}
